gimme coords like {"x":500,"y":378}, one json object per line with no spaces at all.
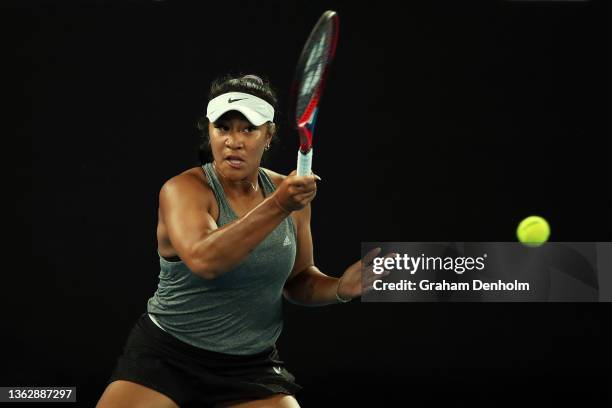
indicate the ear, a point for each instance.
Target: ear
{"x":271,"y":129}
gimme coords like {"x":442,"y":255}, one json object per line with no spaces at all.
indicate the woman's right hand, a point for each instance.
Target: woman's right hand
{"x":295,"y":192}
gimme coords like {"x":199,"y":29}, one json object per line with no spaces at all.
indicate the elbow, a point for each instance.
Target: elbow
{"x":203,"y":268}
{"x":204,"y":273}
{"x":287,"y":296}
{"x":200,"y":263}
{"x":209,"y":261}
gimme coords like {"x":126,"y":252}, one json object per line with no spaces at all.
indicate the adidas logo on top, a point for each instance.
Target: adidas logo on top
{"x":287,"y":241}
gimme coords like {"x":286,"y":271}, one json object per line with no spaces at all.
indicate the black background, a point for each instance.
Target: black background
{"x":442,"y":121}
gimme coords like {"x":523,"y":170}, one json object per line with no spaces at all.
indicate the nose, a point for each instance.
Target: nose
{"x":234,"y":140}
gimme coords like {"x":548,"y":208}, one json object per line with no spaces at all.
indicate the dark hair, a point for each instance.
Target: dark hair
{"x":251,"y":84}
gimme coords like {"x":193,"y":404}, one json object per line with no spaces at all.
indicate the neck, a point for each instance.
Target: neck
{"x":246,"y":186}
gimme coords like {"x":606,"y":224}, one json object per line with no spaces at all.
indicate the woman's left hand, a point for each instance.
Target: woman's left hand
{"x":350,"y":284}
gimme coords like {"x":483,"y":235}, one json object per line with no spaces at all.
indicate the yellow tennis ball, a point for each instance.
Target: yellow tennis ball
{"x":533,"y":231}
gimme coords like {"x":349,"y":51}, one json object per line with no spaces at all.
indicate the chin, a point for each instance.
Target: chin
{"x":235,"y":169}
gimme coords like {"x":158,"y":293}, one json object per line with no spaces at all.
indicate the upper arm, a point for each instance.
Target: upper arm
{"x":184,"y":203}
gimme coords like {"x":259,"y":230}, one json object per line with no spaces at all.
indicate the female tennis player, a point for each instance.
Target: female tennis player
{"x":233,"y":239}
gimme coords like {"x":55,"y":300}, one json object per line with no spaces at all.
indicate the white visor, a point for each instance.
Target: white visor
{"x":256,"y":110}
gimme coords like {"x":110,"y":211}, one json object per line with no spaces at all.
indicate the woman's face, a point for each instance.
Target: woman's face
{"x":237,"y":145}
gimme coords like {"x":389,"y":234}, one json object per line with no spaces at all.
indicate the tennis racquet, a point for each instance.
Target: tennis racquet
{"x":308,"y":83}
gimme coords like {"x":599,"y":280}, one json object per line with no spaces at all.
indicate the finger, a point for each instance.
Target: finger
{"x":304,"y":180}
{"x":305,"y":198}
{"x":301,"y":189}
{"x":294,"y":190}
{"x":390,"y":255}
{"x":371,"y":277}
{"x":369,"y":271}
{"x":299,"y":181}
{"x":369,"y":257}
{"x":368,"y":284}
{"x":370,"y":281}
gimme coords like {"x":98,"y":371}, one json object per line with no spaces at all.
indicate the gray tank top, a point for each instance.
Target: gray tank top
{"x":239,"y":312}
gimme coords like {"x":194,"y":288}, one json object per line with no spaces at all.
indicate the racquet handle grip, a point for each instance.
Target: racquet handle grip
{"x":304,"y":163}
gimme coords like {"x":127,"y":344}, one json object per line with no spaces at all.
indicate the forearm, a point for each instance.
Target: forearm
{"x":227,"y":246}
{"x":311,"y":287}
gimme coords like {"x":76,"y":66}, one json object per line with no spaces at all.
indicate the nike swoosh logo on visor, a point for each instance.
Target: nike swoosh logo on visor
{"x":230,"y":100}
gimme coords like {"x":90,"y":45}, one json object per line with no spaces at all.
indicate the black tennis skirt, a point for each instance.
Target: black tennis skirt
{"x":192,"y":376}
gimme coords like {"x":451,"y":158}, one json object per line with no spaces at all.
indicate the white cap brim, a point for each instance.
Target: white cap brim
{"x":256,"y":110}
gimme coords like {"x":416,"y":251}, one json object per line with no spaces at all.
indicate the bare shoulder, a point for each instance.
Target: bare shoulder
{"x":277,"y":178}
{"x":190,"y":184}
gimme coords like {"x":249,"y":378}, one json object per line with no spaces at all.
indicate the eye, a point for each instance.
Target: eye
{"x":222,"y":127}
{"x":250,"y":129}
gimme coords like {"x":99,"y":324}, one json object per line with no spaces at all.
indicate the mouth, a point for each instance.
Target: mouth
{"x":234,"y":161}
